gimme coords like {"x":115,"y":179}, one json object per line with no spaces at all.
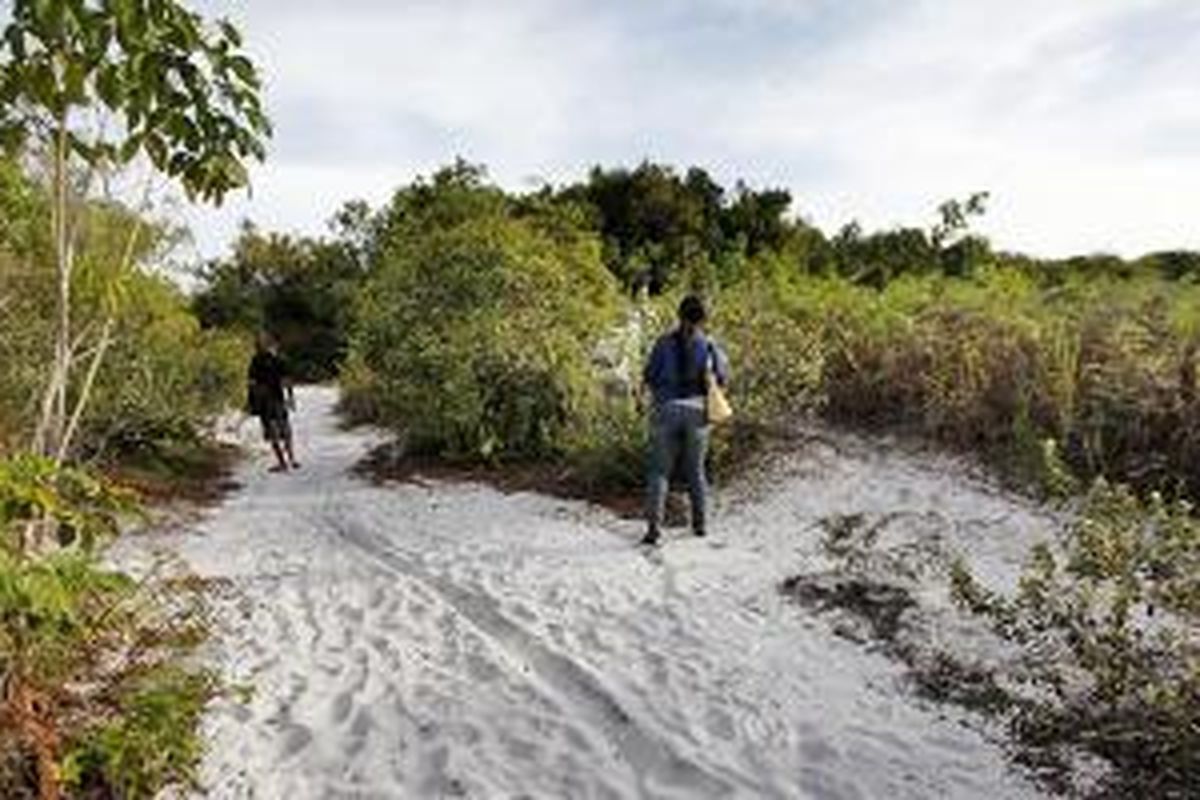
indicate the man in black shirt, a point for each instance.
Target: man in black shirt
{"x":269,"y":395}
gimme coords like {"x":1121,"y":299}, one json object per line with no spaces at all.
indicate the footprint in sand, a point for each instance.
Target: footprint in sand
{"x":342,"y":704}
{"x":576,"y":740}
{"x":294,"y":738}
{"x":720,"y":724}
{"x":360,"y":730}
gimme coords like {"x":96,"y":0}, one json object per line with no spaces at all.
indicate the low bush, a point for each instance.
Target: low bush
{"x":476,"y":333}
{"x":94,"y":699}
{"x":165,"y":378}
{"x":1106,"y":619}
{"x":998,"y":364}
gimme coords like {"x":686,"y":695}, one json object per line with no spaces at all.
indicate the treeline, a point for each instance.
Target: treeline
{"x":658,"y":230}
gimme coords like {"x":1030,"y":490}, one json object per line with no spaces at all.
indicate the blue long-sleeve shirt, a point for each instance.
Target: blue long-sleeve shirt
{"x":673,"y":378}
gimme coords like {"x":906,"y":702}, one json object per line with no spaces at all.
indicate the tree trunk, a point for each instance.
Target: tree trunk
{"x":48,"y":436}
{"x":85,"y":391}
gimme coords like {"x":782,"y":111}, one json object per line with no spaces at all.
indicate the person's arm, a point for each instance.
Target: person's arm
{"x":285,"y":376}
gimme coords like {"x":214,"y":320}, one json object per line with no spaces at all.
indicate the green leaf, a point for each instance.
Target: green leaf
{"x":14,"y":37}
{"x":231,"y":33}
{"x":156,"y":148}
{"x":74,"y":81}
{"x":43,"y":85}
{"x":241,"y":66}
{"x":130,"y":147}
{"x":109,"y":87}
{"x":85,"y":150}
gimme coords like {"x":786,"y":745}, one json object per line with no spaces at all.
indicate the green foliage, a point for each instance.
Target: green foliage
{"x":765,"y":323}
{"x":185,"y":94}
{"x":1106,"y":618}
{"x":163,"y":377}
{"x":33,"y":490}
{"x":95,"y":84}
{"x":475,"y":331}
{"x":299,"y":289}
{"x":1000,"y":364}
{"x":660,"y":228}
{"x":153,"y":741}
{"x":87,"y":652}
{"x":166,"y":377}
{"x":1084,"y":374}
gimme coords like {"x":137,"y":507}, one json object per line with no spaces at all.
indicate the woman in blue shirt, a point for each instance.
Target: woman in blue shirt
{"x":677,"y":373}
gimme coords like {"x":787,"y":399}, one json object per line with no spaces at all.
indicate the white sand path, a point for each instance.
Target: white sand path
{"x":453,"y":641}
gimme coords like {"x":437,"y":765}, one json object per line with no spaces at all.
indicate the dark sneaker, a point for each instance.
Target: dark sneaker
{"x":651,"y":538}
{"x":700,"y":532}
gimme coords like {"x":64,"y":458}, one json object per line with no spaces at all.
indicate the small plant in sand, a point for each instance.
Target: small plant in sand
{"x":1107,"y":619}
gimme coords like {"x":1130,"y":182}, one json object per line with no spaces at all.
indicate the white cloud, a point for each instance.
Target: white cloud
{"x":1081,"y":117}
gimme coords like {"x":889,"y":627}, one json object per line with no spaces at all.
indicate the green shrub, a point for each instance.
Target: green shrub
{"x":87,"y":652}
{"x":475,"y":335}
{"x":1106,"y":619}
{"x":774,"y":342}
{"x":165,"y":377}
{"x":999,"y":364}
{"x":607,"y":454}
{"x":152,"y":741}
{"x":298,"y":288}
{"x":160,"y":377}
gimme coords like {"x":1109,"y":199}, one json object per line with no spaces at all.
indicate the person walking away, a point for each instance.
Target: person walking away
{"x":270,"y":394}
{"x":677,"y":373}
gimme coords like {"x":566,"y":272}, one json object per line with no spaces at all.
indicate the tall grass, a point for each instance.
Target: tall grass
{"x":1000,"y":364}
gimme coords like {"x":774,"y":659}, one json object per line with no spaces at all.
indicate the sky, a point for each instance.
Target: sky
{"x":1081,"y":117}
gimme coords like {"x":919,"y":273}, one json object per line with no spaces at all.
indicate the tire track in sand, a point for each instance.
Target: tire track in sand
{"x":654,"y":763}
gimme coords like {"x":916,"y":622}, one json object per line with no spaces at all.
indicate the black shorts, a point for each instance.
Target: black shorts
{"x":276,"y":427}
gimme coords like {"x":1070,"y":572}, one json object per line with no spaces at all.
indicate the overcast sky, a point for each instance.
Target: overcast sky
{"x":1082,"y":117}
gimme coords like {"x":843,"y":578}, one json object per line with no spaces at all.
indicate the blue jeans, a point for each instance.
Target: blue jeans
{"x":677,"y":429}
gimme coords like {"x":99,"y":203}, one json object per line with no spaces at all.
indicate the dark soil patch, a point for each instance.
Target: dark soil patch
{"x":198,"y":472}
{"x":387,"y":464}
{"x":624,"y":496}
{"x":944,"y":679}
{"x":879,"y":606}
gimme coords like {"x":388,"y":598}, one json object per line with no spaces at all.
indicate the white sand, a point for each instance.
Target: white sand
{"x":450,"y":640}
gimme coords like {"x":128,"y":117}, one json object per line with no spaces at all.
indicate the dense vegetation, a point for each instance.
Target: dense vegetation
{"x":927,"y":329}
{"x":302,"y":290}
{"x":102,"y":363}
{"x":162,"y":375}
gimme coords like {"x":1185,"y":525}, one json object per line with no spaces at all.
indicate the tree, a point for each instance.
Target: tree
{"x":475,"y":331}
{"x":659,"y":228}
{"x":757,"y":218}
{"x":298,"y":288}
{"x":165,"y":86}
{"x":956,"y":217}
